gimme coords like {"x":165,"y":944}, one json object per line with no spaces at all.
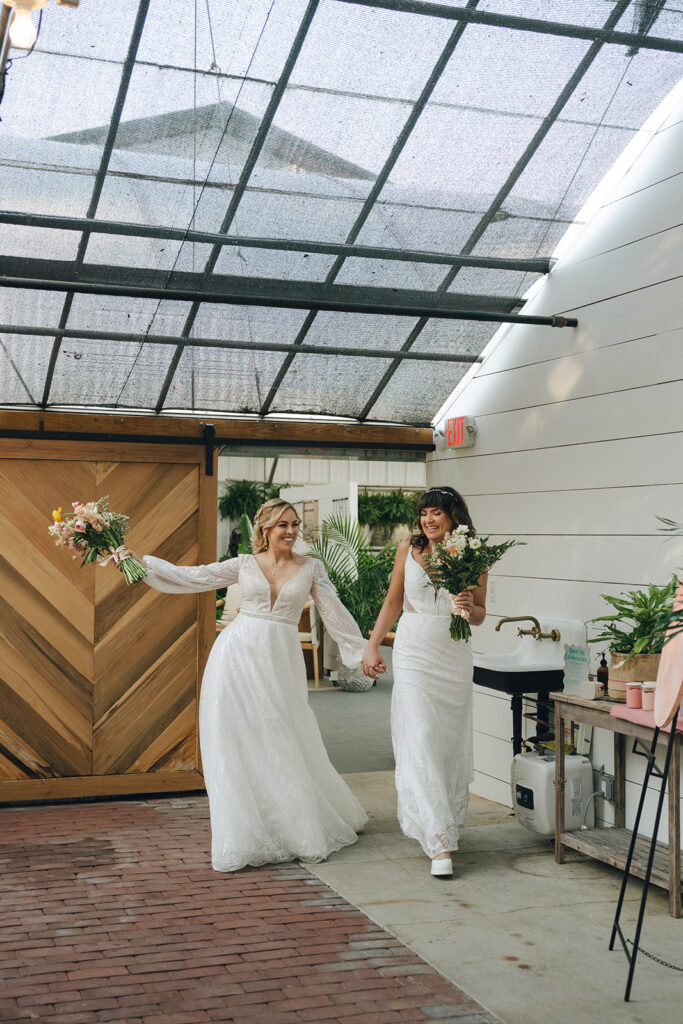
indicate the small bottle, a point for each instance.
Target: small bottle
{"x":602,"y":674}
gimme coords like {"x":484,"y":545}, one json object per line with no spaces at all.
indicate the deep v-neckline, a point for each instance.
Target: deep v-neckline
{"x":286,"y":584}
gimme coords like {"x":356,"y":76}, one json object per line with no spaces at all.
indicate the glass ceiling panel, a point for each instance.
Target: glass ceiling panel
{"x":248,"y":323}
{"x":587,"y":152}
{"x":622,"y":91}
{"x":369,"y":52}
{"x":29,"y":308}
{"x":505,"y":70}
{"x":124,"y":315}
{"x":34,"y":178}
{"x":294,"y":266}
{"x":519,"y":237}
{"x":313,"y":384}
{"x":391,"y":274}
{"x":23,"y":365}
{"x":275,"y":214}
{"x":342,"y":137}
{"x":402,"y":221}
{"x":253,"y":38}
{"x":108,"y":373}
{"x":228,"y":381}
{"x":43,"y":243}
{"x":359,"y":330}
{"x":191,"y":114}
{"x":417,"y":391}
{"x":466,"y":152}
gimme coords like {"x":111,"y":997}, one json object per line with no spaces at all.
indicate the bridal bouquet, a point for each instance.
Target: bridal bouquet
{"x":93,"y":531}
{"x":457,"y":563}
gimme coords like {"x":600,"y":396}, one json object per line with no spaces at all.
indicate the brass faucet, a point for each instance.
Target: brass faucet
{"x":535,"y":632}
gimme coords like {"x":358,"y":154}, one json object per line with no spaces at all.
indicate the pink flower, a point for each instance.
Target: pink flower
{"x":79,"y":525}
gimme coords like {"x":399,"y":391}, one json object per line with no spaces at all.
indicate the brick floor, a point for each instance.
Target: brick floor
{"x":110,"y":912}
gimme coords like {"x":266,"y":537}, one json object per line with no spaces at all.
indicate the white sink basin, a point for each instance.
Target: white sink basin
{"x":530,"y":655}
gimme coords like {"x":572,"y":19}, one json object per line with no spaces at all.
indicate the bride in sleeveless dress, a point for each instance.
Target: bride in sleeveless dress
{"x":431,"y":706}
{"x":273,"y":793}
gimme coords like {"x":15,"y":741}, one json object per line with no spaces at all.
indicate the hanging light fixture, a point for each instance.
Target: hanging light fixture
{"x":22,"y":30}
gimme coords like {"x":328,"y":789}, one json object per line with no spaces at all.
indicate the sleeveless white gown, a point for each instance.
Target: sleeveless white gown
{"x":431,"y":716}
{"x":273,"y":793}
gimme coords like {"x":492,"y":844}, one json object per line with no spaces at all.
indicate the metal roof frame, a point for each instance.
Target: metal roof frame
{"x":373,"y":195}
{"x":257,"y":146}
{"x":543,"y":129}
{"x":374,"y":252}
{"x":636,"y":40}
{"x":117,"y":111}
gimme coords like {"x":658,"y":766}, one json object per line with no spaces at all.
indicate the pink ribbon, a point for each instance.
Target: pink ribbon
{"x":117,"y":554}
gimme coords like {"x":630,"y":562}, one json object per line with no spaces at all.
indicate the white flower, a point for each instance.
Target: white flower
{"x":474,"y":543}
{"x":463,"y":528}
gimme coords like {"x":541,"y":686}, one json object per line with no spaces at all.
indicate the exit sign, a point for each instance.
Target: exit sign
{"x":460,"y":432}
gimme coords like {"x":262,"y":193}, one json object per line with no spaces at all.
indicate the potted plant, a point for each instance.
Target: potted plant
{"x":634,"y":632}
{"x":360,"y":576}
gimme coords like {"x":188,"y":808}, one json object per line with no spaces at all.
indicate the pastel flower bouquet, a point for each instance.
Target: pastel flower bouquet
{"x":457,"y":564}
{"x":96,"y":533}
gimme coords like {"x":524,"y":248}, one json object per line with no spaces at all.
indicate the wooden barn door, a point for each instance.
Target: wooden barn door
{"x":99,"y":681}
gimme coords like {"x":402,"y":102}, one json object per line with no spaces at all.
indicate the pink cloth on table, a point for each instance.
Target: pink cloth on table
{"x":641,"y":717}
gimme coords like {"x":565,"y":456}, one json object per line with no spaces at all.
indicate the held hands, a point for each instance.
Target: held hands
{"x":373,"y":664}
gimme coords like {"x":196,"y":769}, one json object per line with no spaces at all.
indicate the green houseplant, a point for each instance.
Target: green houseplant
{"x":634,"y":631}
{"x":382,"y":511}
{"x":359,"y":574}
{"x":244,"y":497}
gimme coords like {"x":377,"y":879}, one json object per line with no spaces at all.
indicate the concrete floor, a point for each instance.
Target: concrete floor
{"x":526,"y":937}
{"x":355,"y":727}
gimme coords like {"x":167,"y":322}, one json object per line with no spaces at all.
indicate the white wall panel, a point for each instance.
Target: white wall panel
{"x":640,"y":460}
{"x":611,"y":321}
{"x":579,"y":511}
{"x":580,"y":435}
{"x":651,"y":360}
{"x":637,"y":412}
{"x":630,"y":219}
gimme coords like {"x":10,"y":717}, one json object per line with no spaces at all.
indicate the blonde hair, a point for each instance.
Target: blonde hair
{"x":268,"y":515}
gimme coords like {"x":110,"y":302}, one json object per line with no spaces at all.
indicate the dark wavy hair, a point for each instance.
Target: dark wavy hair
{"x":452,"y":503}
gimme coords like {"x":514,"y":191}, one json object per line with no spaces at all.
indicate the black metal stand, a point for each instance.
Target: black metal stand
{"x":663,"y":775}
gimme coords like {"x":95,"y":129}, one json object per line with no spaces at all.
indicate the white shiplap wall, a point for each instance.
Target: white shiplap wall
{"x":580,"y":432}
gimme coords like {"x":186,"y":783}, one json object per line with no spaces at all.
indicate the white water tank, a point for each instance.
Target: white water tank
{"x":533,"y":792}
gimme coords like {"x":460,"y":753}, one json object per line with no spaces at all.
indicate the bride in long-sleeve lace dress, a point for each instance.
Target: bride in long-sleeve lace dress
{"x":273,"y":793}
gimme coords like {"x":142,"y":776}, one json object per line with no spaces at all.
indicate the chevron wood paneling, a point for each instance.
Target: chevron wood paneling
{"x":99,"y":680}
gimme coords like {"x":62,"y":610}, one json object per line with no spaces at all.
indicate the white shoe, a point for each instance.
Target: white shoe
{"x":442,"y":867}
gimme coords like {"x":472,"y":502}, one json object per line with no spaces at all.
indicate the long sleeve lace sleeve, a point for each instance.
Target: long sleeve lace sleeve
{"x":190,"y":579}
{"x":339,"y":622}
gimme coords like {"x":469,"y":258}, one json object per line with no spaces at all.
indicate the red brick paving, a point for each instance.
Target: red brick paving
{"x":110,"y":912}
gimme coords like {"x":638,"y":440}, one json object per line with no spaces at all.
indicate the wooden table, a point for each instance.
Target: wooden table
{"x":610,"y":845}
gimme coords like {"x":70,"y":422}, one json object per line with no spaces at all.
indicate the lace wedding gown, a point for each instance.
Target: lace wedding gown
{"x":431,"y":716}
{"x":273,"y":794}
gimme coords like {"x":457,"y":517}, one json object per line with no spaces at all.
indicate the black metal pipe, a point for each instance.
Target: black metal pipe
{"x":374,"y":252}
{"x":240,"y":346}
{"x":639,"y":40}
{"x":284,"y":302}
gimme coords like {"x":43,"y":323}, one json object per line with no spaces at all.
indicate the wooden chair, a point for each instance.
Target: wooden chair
{"x":308,"y":636}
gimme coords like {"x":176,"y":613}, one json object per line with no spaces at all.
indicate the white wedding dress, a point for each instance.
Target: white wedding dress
{"x":273,"y":793}
{"x":431,"y":716}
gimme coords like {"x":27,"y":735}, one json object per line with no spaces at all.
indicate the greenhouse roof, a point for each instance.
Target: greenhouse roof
{"x":286,"y":206}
